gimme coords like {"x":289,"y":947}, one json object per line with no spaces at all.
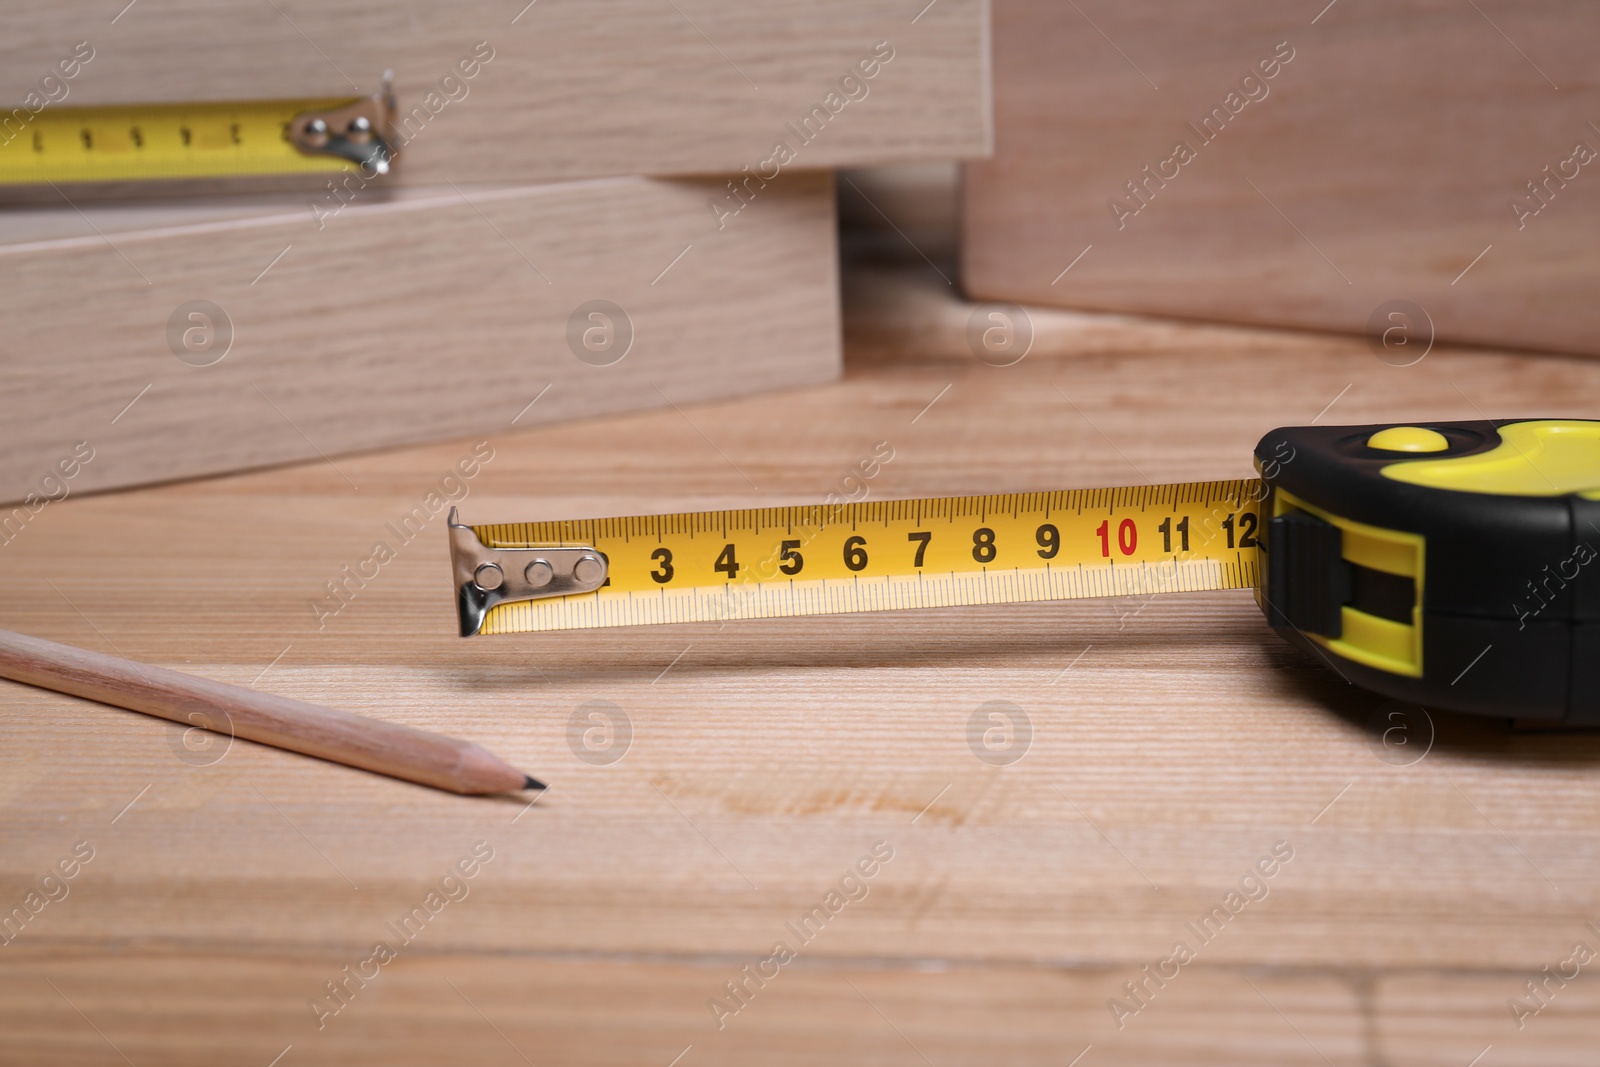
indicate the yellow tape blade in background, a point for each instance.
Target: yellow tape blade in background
{"x":880,"y":555}
{"x":157,"y":141}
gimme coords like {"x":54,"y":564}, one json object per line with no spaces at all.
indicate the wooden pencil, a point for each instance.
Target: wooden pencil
{"x":371,"y":744}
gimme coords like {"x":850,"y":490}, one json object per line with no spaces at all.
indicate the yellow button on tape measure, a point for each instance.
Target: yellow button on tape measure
{"x":1452,"y":565}
{"x":199,"y":140}
{"x":1408,"y":439}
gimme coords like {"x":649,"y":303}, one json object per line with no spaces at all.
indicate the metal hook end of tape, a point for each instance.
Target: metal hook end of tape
{"x":361,"y":131}
{"x":486,"y":577}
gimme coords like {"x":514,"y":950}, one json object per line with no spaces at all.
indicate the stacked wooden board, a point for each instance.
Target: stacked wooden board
{"x":1409,"y":170}
{"x":182,"y":340}
{"x":551,"y":244}
{"x":561,"y":89}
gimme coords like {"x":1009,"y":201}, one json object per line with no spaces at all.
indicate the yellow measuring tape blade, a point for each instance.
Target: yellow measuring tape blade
{"x":714,"y":566}
{"x":149,"y":141}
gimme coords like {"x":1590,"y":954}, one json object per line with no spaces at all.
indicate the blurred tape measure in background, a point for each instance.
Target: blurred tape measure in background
{"x":1449,"y":565}
{"x":140,"y":142}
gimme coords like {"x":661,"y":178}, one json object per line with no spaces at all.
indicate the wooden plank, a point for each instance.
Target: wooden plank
{"x":1432,"y":1017}
{"x":1175,"y":741}
{"x":1377,"y":164}
{"x":488,"y":1009}
{"x":642,"y":88}
{"x":425,"y":316}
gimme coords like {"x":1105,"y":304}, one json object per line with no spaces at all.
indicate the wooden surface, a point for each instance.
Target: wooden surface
{"x":571,"y":90}
{"x":428,"y":315}
{"x":1175,"y":741}
{"x":1376,"y":165}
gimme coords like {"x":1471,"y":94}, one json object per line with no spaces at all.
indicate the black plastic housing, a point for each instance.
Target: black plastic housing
{"x":1504,"y":632}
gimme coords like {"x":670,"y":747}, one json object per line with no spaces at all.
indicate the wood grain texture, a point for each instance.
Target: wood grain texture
{"x":233,"y":711}
{"x":425,"y":316}
{"x":1380,"y":162}
{"x":1175,"y":740}
{"x":572,"y":90}
{"x":621,"y":1012}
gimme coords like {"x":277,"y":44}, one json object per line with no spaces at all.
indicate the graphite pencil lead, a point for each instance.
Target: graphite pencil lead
{"x":531,"y":782}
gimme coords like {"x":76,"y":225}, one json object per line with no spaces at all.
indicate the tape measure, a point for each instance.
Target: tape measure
{"x":199,"y":140}
{"x":1451,"y":565}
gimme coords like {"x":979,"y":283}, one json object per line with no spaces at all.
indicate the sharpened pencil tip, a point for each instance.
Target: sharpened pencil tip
{"x":531,"y":782}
